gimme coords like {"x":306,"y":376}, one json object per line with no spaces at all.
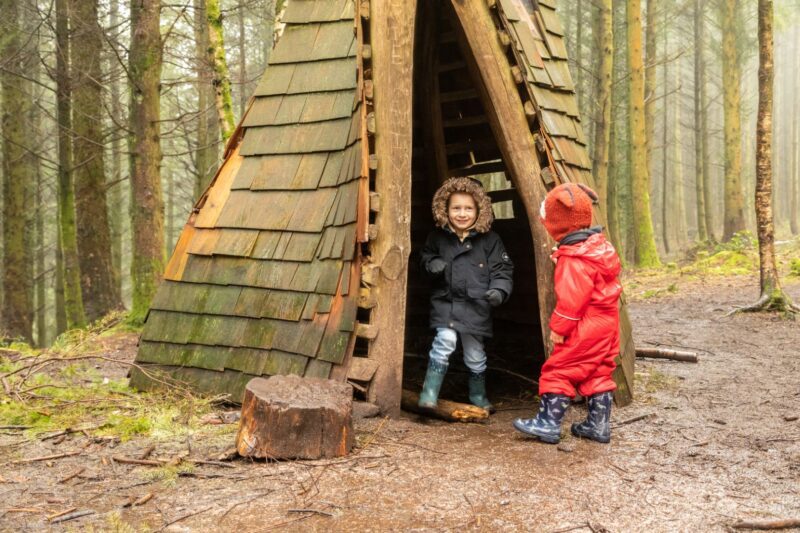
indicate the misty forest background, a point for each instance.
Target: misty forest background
{"x":115,"y":115}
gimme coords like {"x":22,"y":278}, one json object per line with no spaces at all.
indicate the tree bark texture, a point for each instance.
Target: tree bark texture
{"x":602,"y":129}
{"x":67,"y":228}
{"x":147,"y":205}
{"x":206,"y":151}
{"x":794,"y":178}
{"x":650,"y":77}
{"x":100,"y":293}
{"x":770,"y":283}
{"x":222,"y":80}
{"x":731,"y":80}
{"x":18,"y":176}
{"x":699,"y":123}
{"x":289,"y":417}
{"x":116,"y":184}
{"x":665,"y":238}
{"x":646,"y":254}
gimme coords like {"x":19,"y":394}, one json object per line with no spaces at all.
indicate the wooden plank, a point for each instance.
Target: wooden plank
{"x":362,"y":369}
{"x":283,"y":363}
{"x":235,"y":242}
{"x":216,"y":196}
{"x":313,"y":42}
{"x":284,"y":305}
{"x":318,"y":369}
{"x":203,"y":241}
{"x":304,"y":11}
{"x":278,"y":210}
{"x":316,"y":76}
{"x":296,"y":138}
{"x":250,"y":302}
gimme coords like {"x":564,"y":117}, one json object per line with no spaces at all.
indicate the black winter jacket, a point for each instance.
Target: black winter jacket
{"x":458,"y":295}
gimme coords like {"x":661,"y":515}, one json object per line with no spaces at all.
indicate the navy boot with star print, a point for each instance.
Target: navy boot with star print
{"x":547,"y":424}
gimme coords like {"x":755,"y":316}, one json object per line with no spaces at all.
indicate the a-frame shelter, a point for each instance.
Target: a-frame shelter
{"x":296,"y":259}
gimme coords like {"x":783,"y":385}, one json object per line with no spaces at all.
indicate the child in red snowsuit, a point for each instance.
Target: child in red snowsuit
{"x":584,"y":326}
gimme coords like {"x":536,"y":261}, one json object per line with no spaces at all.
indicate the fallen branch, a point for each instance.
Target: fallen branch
{"x":16,"y":428}
{"x":72,"y":475}
{"x":45,"y":458}
{"x":62,"y":513}
{"x":147,"y":451}
{"x":445,"y":409}
{"x":184,"y":517}
{"x":142,"y":462}
{"x":662,"y":353}
{"x":632,"y":420}
{"x":767,"y":524}
{"x":71,"y":516}
{"x":140,"y":501}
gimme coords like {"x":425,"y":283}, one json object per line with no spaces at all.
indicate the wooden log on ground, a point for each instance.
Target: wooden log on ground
{"x":445,"y":409}
{"x":788,"y":523}
{"x":289,"y":417}
{"x":673,"y":355}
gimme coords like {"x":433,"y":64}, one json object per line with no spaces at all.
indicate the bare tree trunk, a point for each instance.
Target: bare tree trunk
{"x":73,"y":298}
{"x":100,"y":292}
{"x":243,"y":92}
{"x":664,"y":138}
{"x":60,"y":311}
{"x":116,"y":185}
{"x":646,"y":254}
{"x":731,"y":80}
{"x":147,"y":205}
{"x":17,"y":313}
{"x":650,"y":61}
{"x":602,"y":129}
{"x":206,"y":158}
{"x":703,"y":227}
{"x":222,"y":80}
{"x":772,"y":296}
{"x":679,"y":204}
{"x":794,"y":178}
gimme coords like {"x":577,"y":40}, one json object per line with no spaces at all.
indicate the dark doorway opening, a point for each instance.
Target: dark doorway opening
{"x":453,"y":137}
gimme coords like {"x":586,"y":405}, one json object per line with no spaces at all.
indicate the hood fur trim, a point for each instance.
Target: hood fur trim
{"x":468,"y":186}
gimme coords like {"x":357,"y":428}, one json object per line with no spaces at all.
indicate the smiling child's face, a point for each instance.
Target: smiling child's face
{"x":461,"y":211}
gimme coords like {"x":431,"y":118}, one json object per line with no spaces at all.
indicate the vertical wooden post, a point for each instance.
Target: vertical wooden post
{"x":392,"y":63}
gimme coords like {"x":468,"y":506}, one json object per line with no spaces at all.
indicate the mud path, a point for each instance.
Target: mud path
{"x":722,"y":443}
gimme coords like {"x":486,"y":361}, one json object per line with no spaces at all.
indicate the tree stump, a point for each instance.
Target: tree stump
{"x":289,"y":417}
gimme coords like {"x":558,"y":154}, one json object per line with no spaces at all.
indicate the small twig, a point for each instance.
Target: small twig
{"x":142,"y":462}
{"x":237,"y":504}
{"x":71,"y":516}
{"x":184,"y":517}
{"x":147,"y":451}
{"x":45,"y":458}
{"x":140,"y":501}
{"x":16,"y":428}
{"x":767,"y":524}
{"x":62,"y":513}
{"x":632,"y":420}
{"x":72,"y":475}
{"x":317,"y":511}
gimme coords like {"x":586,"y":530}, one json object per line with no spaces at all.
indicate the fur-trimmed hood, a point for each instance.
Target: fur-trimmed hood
{"x":468,"y":186}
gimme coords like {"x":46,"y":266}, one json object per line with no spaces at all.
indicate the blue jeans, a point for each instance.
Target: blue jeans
{"x":444,"y":344}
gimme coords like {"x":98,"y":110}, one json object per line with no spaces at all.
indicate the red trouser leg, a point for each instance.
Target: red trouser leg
{"x":599,"y":380}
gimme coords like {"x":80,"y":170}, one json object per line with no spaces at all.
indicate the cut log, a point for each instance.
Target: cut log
{"x":660,"y":353}
{"x":445,"y":409}
{"x":789,"y":523}
{"x":289,"y":417}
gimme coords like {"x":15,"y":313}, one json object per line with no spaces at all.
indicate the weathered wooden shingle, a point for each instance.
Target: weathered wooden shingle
{"x":305,"y":11}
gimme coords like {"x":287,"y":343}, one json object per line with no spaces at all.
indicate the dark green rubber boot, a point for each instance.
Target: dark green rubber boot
{"x":433,"y":382}
{"x":477,"y":391}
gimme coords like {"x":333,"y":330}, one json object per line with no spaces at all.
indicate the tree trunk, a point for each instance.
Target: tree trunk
{"x":60,"y":311}
{"x":703,"y":228}
{"x":679,"y":202}
{"x":116,"y":185}
{"x":731,"y":80}
{"x":243,"y":91}
{"x":222,"y":80}
{"x":602,"y":100}
{"x":646,"y":254}
{"x":794,"y":178}
{"x":41,"y":275}
{"x":17,"y":313}
{"x":147,"y":216}
{"x":650,"y":81}
{"x":100,"y":293}
{"x":73,"y":298}
{"x":772,"y":296}
{"x":665,"y":225}
{"x":206,"y":158}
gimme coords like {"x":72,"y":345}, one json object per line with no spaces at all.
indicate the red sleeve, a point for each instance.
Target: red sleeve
{"x":574,"y":284}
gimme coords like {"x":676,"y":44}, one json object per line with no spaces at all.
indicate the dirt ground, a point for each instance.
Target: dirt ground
{"x":721,"y":443}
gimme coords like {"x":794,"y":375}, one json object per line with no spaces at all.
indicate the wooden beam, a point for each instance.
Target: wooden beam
{"x":465,"y":121}
{"x":488,"y":64}
{"x":392,"y":76}
{"x":487,"y":167}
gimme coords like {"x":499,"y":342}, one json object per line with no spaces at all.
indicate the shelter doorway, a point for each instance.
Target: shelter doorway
{"x":452,"y":137}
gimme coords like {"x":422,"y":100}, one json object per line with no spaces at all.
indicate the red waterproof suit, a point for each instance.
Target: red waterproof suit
{"x":587,"y":315}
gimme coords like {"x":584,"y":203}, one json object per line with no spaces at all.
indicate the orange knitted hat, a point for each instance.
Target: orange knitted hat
{"x":567,"y":208}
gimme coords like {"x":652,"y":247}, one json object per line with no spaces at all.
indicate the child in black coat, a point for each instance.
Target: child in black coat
{"x":471,"y":273}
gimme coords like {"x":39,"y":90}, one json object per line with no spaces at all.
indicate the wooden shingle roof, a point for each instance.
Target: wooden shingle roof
{"x":537,"y":39}
{"x":262,"y":280}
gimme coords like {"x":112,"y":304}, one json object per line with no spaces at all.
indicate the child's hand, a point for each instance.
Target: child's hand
{"x":555,"y":338}
{"x":436,"y":266}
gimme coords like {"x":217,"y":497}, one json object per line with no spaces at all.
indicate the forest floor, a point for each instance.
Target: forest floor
{"x":720,"y":443}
